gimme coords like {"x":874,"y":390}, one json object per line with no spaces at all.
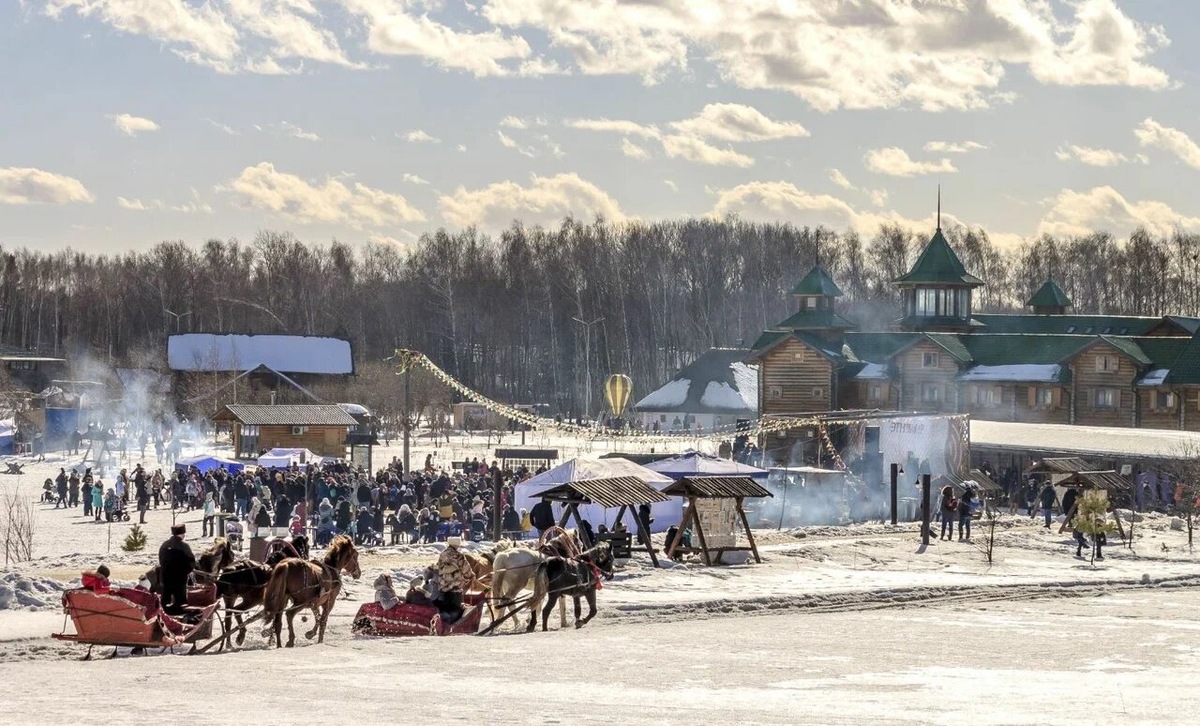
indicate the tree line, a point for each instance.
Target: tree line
{"x":499,"y":312}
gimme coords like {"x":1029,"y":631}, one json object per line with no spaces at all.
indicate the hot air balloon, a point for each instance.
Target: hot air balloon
{"x":617,"y":390}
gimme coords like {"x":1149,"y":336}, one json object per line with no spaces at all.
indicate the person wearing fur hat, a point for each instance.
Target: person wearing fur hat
{"x":454,"y":575}
{"x":176,"y":562}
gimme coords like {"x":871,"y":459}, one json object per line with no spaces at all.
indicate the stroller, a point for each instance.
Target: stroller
{"x":114,"y":508}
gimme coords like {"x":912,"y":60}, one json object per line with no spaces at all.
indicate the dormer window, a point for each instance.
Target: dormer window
{"x":1070,"y":328}
{"x":810,"y":303}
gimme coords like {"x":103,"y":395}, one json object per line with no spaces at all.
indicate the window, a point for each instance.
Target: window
{"x":1070,"y":328}
{"x":1044,"y":398}
{"x":798,"y":355}
{"x":818,"y":392}
{"x":929,"y":360}
{"x":1107,"y":364}
{"x":810,"y":303}
{"x":1163,"y":400}
{"x":931,"y":393}
{"x":774,"y":392}
{"x":987,"y":395}
{"x":1107,"y":330}
{"x":1106,"y":398}
{"x":874,"y":393}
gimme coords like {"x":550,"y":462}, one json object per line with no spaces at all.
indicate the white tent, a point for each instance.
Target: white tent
{"x":664,"y":514}
{"x":283,"y":458}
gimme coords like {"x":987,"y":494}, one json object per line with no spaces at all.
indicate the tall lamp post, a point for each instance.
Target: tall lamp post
{"x":587,"y":354}
{"x":405,"y":359}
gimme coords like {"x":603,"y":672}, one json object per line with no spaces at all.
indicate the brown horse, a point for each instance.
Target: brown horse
{"x":305,"y":583}
{"x":247,"y":580}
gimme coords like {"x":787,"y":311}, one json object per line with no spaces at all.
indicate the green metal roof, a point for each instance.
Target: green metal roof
{"x":1185,"y":370}
{"x":767,"y":339}
{"x":1049,"y":295}
{"x":879,"y":347}
{"x":815,"y":320}
{"x":938,"y":264}
{"x":1017,"y":349}
{"x":952,"y":344}
{"x":817,"y":282}
{"x":1129,"y":348}
{"x":1071,"y":324}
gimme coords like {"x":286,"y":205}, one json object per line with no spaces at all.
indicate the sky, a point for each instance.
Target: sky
{"x":124,"y":123}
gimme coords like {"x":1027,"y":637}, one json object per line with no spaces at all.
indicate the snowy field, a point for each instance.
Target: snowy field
{"x":838,"y":625}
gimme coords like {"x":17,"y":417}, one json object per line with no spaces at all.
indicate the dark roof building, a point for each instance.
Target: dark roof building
{"x":719,"y":382}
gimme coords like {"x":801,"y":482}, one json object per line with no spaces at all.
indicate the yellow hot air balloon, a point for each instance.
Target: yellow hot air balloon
{"x":617,"y":390}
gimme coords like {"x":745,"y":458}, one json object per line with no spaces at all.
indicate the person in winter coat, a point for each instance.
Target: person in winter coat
{"x":526,"y":525}
{"x":454,"y":576}
{"x":87,"y":498}
{"x":1080,"y":542}
{"x":175,"y":562}
{"x":445,"y":505}
{"x":964,"y":514}
{"x":325,"y":512}
{"x":60,"y":484}
{"x":949,"y":510}
{"x":98,"y":499}
{"x":256,"y":507}
{"x":283,"y":514}
{"x":542,"y":516}
{"x":1047,"y":498}
{"x":511,"y":523}
{"x":73,"y":489}
{"x":209,"y":527}
{"x":343,"y":515}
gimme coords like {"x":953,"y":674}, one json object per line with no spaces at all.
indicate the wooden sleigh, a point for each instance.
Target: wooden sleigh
{"x":112,"y":618}
{"x":405,"y":619}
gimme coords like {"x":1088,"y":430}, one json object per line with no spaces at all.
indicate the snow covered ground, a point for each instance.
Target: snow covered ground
{"x":838,"y":625}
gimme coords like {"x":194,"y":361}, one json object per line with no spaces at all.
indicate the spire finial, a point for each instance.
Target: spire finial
{"x":939,"y":209}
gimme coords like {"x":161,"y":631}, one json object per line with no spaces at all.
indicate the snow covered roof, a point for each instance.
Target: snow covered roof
{"x":1036,"y":373}
{"x":207,"y":352}
{"x":1155,"y":377}
{"x":581,"y":469}
{"x":1088,"y":441}
{"x":874,"y":372}
{"x":694,"y":463}
{"x":719,"y":381}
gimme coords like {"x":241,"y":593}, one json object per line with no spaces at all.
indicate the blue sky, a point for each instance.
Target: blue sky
{"x":127,"y":122}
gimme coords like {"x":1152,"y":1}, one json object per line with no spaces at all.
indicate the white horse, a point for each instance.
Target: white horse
{"x":515,"y":567}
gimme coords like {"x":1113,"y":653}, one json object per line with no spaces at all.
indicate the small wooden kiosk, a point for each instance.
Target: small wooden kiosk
{"x":624,"y":492}
{"x":696,"y":488}
{"x":1073,"y":473}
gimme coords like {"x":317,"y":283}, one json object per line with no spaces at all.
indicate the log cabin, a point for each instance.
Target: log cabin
{"x":1045,"y":366}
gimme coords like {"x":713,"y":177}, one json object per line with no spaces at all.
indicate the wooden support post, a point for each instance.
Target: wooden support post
{"x":1070,"y":515}
{"x":679,"y":532}
{"x":703,"y":542}
{"x":895,"y":485}
{"x":749,"y":535}
{"x":926,"y":514}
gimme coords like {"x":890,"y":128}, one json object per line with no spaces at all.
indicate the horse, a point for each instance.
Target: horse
{"x":247,"y":579}
{"x":310,"y":584}
{"x":515,"y":566}
{"x":578,"y":578}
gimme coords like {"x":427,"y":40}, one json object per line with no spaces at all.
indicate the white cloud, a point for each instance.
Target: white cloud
{"x":419,"y":136}
{"x":879,"y":197}
{"x":943,"y":54}
{"x":671,"y":185}
{"x":1093,"y":157}
{"x":633,"y":151}
{"x":229,"y":36}
{"x":462,"y":148}
{"x":1103,"y":208}
{"x":953,"y":147}
{"x":291,"y":130}
{"x":386,"y":240}
{"x":701,"y":152}
{"x":838,"y":178}
{"x":552,"y":146}
{"x":25,"y":185}
{"x":332,"y":202}
{"x":137,"y":205}
{"x":894,"y":161}
{"x":510,"y":143}
{"x":513,"y":122}
{"x":392,"y":30}
{"x":1178,"y":143}
{"x":223,"y":127}
{"x":629,"y":128}
{"x":132,"y":125}
{"x":737,"y":122}
{"x":413,"y":179}
{"x":545,"y":201}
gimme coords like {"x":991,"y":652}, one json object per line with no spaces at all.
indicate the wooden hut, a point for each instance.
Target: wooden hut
{"x":624,"y":493}
{"x":731,"y":489}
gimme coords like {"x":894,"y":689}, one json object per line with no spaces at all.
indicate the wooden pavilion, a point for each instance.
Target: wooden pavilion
{"x":696,"y":488}
{"x":1074,"y":473}
{"x":625,"y":493}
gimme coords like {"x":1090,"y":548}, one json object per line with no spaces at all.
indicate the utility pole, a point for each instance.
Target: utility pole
{"x":895,"y":485}
{"x":587,"y":354}
{"x":407,"y":415}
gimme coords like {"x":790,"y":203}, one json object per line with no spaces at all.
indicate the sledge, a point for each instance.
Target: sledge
{"x":128,"y":618}
{"x":405,"y":619}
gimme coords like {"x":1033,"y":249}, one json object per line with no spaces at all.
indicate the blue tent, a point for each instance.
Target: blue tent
{"x":208,"y":462}
{"x":693,"y":463}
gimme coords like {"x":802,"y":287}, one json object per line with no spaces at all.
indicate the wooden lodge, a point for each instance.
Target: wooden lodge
{"x":323,"y":429}
{"x":1045,"y":366}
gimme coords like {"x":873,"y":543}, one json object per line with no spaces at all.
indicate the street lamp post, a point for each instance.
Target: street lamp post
{"x":178,"y":317}
{"x":587,"y":354}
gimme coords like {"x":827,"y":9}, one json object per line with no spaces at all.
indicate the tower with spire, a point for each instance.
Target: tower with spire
{"x":937,"y":292}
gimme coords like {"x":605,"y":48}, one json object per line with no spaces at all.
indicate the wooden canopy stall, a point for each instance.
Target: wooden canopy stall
{"x":1078,"y":474}
{"x":710,"y":488}
{"x":625,"y":493}
{"x":984,"y":485}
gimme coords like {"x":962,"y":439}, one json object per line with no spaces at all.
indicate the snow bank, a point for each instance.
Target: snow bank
{"x":24,"y":592}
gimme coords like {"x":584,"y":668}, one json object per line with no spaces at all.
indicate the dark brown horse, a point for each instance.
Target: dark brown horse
{"x":242,"y":584}
{"x":305,"y":583}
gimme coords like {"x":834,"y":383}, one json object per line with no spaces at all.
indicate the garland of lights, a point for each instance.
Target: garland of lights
{"x":406,"y":359}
